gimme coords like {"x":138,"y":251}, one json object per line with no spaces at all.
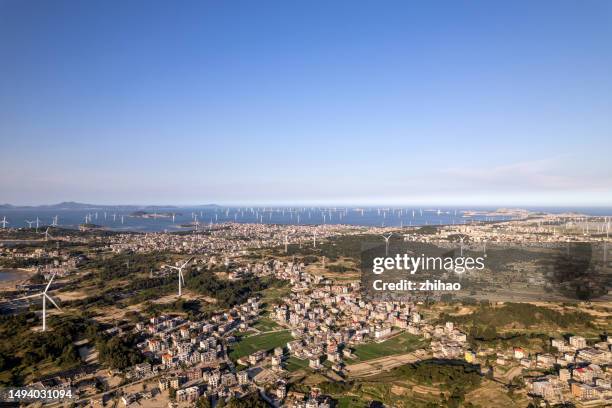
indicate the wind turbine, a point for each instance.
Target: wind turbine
{"x":180,"y":274}
{"x":4,"y":222}
{"x":386,"y":237}
{"x":29,"y":223}
{"x":44,"y":296}
{"x":37,"y":223}
{"x":47,"y":235}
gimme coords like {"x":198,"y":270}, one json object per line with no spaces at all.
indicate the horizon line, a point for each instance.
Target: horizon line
{"x":321,"y":205}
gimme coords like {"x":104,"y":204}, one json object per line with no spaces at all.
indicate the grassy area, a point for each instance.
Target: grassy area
{"x":294,"y":364}
{"x":247,"y":333}
{"x":265,"y":324}
{"x":266,"y":341}
{"x":400,"y":344}
{"x":273,"y":295}
{"x":454,"y":378}
{"x":351,"y":402}
{"x":27,"y":354}
{"x":522,"y":315}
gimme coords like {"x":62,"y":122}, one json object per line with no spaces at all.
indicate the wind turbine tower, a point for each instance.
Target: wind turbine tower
{"x":181,"y":279}
{"x":387,"y":237}
{"x":45,"y":297}
{"x":47,"y":235}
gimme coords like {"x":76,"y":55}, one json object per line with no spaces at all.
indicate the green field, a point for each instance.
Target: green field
{"x":350,"y":402}
{"x":274,"y":295}
{"x":294,"y":364}
{"x":400,"y":344}
{"x":266,"y":341}
{"x":265,"y":324}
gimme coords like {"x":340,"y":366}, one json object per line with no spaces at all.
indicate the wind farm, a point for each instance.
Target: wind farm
{"x":306,"y":204}
{"x":242,"y":286}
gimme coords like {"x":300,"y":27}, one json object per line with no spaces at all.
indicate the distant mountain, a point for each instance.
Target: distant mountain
{"x":68,"y":205}
{"x":207,"y":206}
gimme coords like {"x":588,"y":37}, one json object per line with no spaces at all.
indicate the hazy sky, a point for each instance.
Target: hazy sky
{"x":306,"y":102}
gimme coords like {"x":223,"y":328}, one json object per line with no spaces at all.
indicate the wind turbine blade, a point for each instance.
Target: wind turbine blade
{"x":49,"y":284}
{"x":29,"y":297}
{"x":185,"y":264}
{"x":53,"y":301}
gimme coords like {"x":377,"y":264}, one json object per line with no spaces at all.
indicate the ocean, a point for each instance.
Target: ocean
{"x":11,"y":275}
{"x":121,"y":219}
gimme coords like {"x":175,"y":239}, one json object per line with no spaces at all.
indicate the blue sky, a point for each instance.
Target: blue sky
{"x":306,"y":102}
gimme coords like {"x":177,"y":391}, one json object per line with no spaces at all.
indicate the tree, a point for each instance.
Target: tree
{"x":118,"y":352}
{"x":203,"y":402}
